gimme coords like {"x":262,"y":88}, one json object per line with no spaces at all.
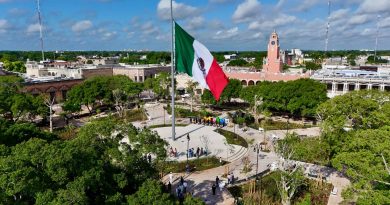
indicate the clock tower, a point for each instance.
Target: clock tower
{"x":273,"y":62}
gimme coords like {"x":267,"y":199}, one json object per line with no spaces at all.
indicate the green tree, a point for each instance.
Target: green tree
{"x":238,"y":62}
{"x":312,"y":66}
{"x":92,"y":168}
{"x":363,"y":160}
{"x":232,"y":90}
{"x":191,"y":86}
{"x":161,"y":85}
{"x":99,"y":91}
{"x":16,"y":105}
{"x":150,"y":193}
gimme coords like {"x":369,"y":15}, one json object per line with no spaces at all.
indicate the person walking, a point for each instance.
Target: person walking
{"x":232,"y":178}
{"x":181,"y":180}
{"x":149,"y":158}
{"x":181,"y":198}
{"x":185,"y":187}
{"x":213,"y":188}
{"x":170,"y":177}
{"x":217,"y":180}
{"x":197,"y":152}
{"x":220,"y":160}
{"x":169,"y":187}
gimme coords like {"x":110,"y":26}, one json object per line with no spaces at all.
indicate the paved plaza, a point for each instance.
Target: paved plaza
{"x":200,"y":182}
{"x":217,"y":145}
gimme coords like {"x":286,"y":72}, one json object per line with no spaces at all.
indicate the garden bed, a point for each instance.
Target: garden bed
{"x":199,"y":164}
{"x":233,"y":138}
{"x":312,"y":192}
{"x":278,"y":125}
{"x":135,"y":115}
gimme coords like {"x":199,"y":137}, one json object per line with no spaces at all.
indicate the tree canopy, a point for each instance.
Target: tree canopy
{"x":232,"y":90}
{"x":99,"y":90}
{"x":15,"y":105}
{"x":356,"y":129}
{"x":93,"y":168}
{"x":298,"y":98}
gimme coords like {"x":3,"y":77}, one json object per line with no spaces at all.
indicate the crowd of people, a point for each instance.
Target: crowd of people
{"x":198,"y":153}
{"x":211,"y":121}
{"x":172,"y":152}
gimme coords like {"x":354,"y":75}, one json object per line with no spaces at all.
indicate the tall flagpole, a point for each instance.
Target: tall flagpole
{"x":173,"y":73}
{"x":327,"y":29}
{"x":40,"y":28}
{"x":376,"y":37}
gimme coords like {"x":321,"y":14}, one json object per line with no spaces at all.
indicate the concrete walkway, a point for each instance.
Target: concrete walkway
{"x":199,"y":183}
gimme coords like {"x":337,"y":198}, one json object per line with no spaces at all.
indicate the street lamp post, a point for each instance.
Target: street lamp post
{"x":256,"y":149}
{"x":188,"y":144}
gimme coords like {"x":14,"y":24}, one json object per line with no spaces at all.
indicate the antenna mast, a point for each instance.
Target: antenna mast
{"x":40,"y":28}
{"x":376,"y":38}
{"x":327,"y":28}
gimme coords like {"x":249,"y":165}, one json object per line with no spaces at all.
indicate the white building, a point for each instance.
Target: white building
{"x":230,"y":57}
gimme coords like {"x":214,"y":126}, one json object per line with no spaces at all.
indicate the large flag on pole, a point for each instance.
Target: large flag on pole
{"x":196,"y":60}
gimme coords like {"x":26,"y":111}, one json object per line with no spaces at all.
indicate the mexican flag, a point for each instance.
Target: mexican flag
{"x":195,"y":59}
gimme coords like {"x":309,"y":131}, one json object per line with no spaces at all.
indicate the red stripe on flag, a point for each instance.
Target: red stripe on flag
{"x":216,"y":80}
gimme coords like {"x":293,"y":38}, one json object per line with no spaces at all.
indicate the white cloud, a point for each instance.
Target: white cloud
{"x":339,"y":14}
{"x":305,"y":5}
{"x":359,"y":19}
{"x":149,"y":29}
{"x":32,"y":28}
{"x":384,"y":23}
{"x":258,"y":35}
{"x":3,"y":25}
{"x":109,"y":35}
{"x":226,"y":34}
{"x":17,"y":12}
{"x":196,"y":23}
{"x":180,"y":10}
{"x":371,"y":6}
{"x":368,"y":32}
{"x":246,"y":11}
{"x":280,"y":4}
{"x":82,"y":26}
{"x":270,"y":23}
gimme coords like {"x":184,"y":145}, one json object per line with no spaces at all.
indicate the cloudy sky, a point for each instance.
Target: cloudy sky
{"x":219,"y":24}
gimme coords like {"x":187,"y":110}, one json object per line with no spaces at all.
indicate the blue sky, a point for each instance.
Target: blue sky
{"x":219,"y":24}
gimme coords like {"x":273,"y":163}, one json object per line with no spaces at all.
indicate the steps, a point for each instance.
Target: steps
{"x":238,"y":155}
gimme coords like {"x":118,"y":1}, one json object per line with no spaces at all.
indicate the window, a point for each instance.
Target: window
{"x":140,"y":78}
{"x":135,"y":78}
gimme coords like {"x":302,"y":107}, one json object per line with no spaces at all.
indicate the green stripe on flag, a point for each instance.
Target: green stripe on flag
{"x":184,"y":50}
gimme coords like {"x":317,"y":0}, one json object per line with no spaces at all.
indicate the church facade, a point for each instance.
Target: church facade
{"x":272,"y":67}
{"x":273,"y":62}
